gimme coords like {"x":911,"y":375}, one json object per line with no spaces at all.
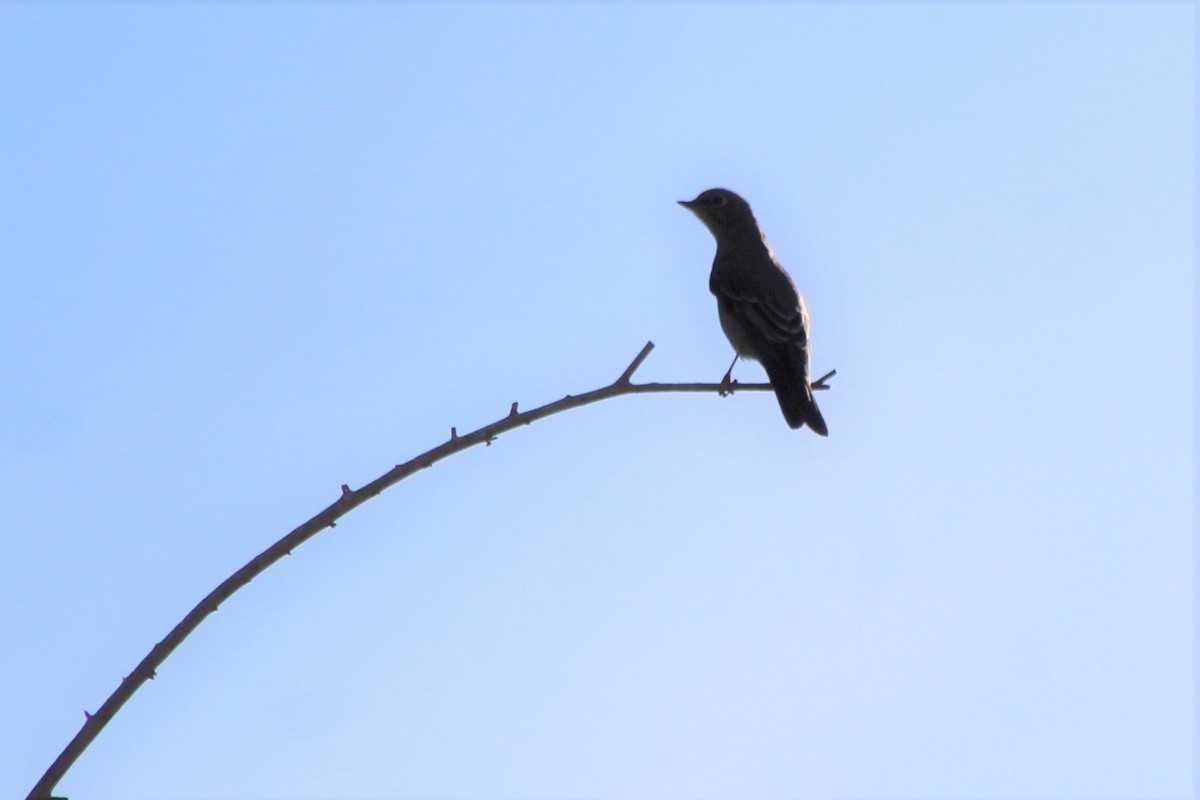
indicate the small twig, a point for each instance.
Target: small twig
{"x":637,"y":362}
{"x":820,"y":383}
{"x":327,"y":518}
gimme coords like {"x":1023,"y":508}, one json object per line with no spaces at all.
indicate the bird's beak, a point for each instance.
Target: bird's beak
{"x":686,"y":203}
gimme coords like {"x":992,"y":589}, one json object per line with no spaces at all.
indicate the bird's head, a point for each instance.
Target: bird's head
{"x":719,"y":209}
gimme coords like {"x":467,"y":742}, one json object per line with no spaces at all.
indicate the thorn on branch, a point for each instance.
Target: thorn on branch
{"x":345,"y":490}
{"x":454,"y":434}
{"x":512,"y":412}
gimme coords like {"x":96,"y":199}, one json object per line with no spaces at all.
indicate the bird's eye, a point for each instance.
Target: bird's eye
{"x":717,"y":200}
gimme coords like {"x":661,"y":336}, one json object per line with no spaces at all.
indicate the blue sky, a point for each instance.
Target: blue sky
{"x":252,"y":252}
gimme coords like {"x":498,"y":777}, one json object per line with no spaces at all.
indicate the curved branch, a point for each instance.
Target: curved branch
{"x":349,"y":500}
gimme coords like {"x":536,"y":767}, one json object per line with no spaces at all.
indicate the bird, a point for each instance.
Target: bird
{"x":761,"y":312}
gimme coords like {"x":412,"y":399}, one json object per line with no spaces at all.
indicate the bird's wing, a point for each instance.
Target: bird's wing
{"x":772,"y":310}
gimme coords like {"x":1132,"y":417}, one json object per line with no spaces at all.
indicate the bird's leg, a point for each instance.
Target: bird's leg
{"x":726,"y":382}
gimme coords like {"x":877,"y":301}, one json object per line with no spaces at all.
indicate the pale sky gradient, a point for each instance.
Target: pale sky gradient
{"x":251,"y":252}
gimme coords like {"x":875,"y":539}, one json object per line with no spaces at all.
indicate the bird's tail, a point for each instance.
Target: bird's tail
{"x":796,"y":398}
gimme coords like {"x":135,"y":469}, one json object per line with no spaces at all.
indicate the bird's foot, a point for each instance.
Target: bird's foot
{"x":727,"y":385}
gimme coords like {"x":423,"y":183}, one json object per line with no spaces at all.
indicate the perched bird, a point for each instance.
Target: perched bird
{"x":761,"y":312}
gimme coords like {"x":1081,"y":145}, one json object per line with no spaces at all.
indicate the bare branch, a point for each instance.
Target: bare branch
{"x":327,"y":518}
